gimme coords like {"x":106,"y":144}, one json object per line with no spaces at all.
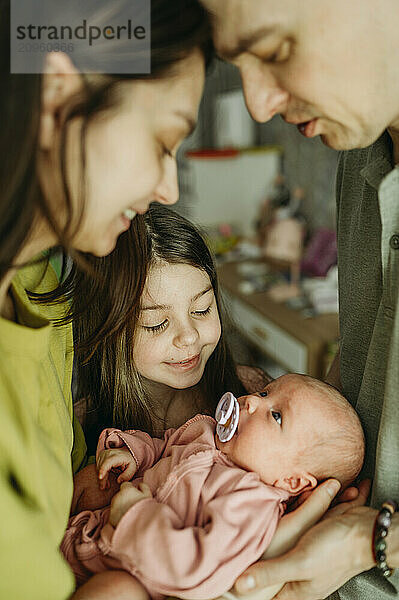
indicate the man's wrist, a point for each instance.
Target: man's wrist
{"x":392,"y":539}
{"x":363,"y":549}
{"x":365,"y":541}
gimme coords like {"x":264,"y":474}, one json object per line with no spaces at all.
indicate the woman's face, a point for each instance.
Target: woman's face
{"x":178,"y":327}
{"x":131,"y":152}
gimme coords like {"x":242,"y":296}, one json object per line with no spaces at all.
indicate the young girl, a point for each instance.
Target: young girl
{"x":176,"y":359}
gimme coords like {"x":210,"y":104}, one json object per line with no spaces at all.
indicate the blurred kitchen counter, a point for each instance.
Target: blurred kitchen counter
{"x":298,"y":343}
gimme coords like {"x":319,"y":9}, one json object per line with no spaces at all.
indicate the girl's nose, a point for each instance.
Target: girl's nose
{"x":187,"y":336}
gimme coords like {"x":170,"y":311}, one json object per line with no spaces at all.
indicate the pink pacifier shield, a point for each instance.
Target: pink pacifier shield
{"x":227,"y":415}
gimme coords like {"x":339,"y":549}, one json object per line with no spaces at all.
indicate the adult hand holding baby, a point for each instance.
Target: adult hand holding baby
{"x":324,"y":558}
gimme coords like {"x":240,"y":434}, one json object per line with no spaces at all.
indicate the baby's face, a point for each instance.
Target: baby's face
{"x":274,"y":426}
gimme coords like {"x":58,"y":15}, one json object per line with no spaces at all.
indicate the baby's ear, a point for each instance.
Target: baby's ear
{"x":297,"y":484}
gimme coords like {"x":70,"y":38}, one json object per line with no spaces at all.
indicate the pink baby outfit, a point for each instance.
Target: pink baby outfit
{"x":207,"y":522}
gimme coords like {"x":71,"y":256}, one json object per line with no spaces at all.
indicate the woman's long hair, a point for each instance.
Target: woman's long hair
{"x":107,"y":376}
{"x":178,"y":27}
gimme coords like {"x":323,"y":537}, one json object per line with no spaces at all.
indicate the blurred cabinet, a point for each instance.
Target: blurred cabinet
{"x":228,"y":186}
{"x":297,"y":343}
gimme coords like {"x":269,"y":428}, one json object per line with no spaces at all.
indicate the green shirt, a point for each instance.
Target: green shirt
{"x":40,"y":447}
{"x":368,"y":261}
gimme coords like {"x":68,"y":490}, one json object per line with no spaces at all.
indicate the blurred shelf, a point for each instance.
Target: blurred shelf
{"x":297,"y":343}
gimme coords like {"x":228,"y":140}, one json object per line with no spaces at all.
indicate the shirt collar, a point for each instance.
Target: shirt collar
{"x":379,"y":161}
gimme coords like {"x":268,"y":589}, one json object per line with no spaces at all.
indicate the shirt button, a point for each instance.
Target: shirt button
{"x":394,"y":241}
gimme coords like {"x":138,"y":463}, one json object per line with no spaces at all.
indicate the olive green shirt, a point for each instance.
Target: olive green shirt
{"x":41,"y":444}
{"x":368,"y":261}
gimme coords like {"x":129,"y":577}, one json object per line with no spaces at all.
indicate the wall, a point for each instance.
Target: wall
{"x":307,"y":163}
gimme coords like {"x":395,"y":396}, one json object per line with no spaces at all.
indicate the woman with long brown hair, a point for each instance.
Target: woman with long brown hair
{"x":81,"y":155}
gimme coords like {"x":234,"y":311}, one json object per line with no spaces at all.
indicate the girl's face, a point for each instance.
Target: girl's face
{"x":178,"y":327}
{"x":130,"y":151}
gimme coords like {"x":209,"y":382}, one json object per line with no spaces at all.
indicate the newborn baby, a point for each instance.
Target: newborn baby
{"x":212,"y":506}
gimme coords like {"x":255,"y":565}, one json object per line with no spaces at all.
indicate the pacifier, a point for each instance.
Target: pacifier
{"x":227,"y":415}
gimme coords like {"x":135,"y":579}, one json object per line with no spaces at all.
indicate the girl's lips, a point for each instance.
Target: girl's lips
{"x":185,"y":365}
{"x":307,"y":129}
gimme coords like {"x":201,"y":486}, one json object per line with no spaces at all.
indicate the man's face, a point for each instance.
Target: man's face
{"x":324,"y":65}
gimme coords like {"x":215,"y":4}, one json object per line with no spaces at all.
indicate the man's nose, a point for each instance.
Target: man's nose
{"x":167,"y":191}
{"x":263,"y":96}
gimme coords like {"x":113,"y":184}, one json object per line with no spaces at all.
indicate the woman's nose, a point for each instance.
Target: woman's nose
{"x":167,"y":191}
{"x":263,"y":96}
{"x":186,"y":336}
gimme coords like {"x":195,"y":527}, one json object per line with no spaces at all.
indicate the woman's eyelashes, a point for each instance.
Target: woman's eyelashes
{"x":277,"y":416}
{"x":166,"y":151}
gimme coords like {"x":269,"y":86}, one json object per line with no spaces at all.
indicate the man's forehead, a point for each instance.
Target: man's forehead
{"x":237,"y":24}
{"x":232,"y":46}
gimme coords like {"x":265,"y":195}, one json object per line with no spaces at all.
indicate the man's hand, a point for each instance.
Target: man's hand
{"x":325,"y":557}
{"x":127,"y":497}
{"x":118,"y":460}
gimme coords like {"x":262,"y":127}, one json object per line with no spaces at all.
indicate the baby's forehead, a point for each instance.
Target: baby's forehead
{"x":292,"y":385}
{"x":305,"y":396}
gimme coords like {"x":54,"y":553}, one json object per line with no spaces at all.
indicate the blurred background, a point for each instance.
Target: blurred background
{"x":265,"y":198}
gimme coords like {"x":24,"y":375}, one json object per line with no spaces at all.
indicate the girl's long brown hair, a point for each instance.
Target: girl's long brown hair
{"x":107,"y":376}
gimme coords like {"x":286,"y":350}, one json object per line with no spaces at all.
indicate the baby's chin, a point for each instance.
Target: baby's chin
{"x":224,"y":447}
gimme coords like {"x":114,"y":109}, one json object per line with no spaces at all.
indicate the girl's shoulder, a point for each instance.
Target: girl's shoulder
{"x":253,"y":379}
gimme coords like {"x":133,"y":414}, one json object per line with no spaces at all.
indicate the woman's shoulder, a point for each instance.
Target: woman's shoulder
{"x":39,"y":277}
{"x":253,"y":378}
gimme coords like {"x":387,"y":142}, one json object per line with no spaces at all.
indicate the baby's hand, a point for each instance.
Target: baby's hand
{"x":118,"y":460}
{"x":127,"y":497}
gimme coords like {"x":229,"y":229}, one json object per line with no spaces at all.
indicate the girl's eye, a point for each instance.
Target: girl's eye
{"x":263,"y":394}
{"x":277,"y":416}
{"x":202,"y":313}
{"x":156,"y":328}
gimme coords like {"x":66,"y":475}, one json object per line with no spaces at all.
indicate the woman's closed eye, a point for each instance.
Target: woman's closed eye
{"x":277,"y":416}
{"x":168,"y":152}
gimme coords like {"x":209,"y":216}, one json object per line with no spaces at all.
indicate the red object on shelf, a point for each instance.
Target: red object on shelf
{"x":213,"y":153}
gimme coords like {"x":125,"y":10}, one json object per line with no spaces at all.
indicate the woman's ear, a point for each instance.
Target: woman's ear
{"x":297,"y":484}
{"x":61,"y":80}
